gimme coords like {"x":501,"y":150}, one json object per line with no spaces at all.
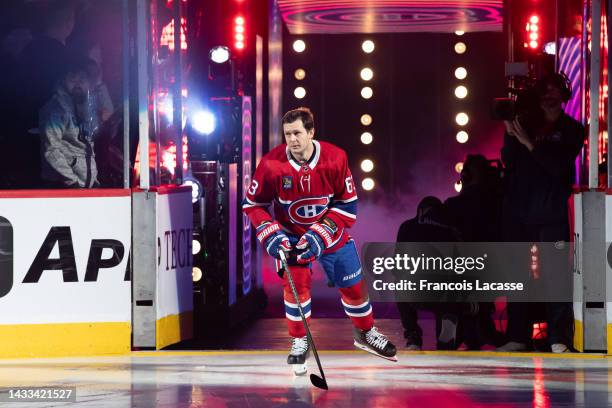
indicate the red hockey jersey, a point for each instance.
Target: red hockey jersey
{"x":303,"y":194}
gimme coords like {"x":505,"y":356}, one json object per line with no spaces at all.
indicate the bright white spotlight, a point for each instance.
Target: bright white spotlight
{"x":462,"y":119}
{"x":299,"y":74}
{"x":367,"y":184}
{"x":459,"y":167}
{"x":299,"y":92}
{"x":461,"y":73}
{"x":366,"y":120}
{"x":550,"y":48}
{"x":366,"y":92}
{"x":366,"y":138}
{"x":461,"y":92}
{"x":203,"y":122}
{"x":367,"y":165}
{"x":196,"y":274}
{"x":219,"y":54}
{"x":459,"y":32}
{"x":195,"y":247}
{"x":458,"y":186}
{"x":299,"y":46}
{"x":460,"y":48}
{"x":462,"y":137}
{"x":367,"y":46}
{"x":367,"y":74}
{"x":196,"y":189}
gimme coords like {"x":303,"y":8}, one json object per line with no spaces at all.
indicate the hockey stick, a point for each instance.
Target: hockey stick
{"x":317,"y":381}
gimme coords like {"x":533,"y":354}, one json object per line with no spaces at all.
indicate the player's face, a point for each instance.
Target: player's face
{"x":298,"y":139}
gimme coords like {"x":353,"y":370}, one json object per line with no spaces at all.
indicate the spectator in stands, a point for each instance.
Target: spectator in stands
{"x":67,"y":151}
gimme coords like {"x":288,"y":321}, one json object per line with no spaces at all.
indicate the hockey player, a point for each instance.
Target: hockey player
{"x":311,"y":188}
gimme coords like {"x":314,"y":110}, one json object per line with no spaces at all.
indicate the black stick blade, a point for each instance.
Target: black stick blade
{"x":318,"y":382}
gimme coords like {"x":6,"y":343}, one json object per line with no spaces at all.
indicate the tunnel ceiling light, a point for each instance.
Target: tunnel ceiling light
{"x":219,"y":54}
{"x":459,"y":167}
{"x":461,"y":92}
{"x":366,"y":92}
{"x":462,"y":136}
{"x":196,"y":274}
{"x":299,"y":74}
{"x":368,"y":46}
{"x":461,"y":73}
{"x":460,"y":48}
{"x":462,"y":119}
{"x":366,"y":138}
{"x":366,"y":74}
{"x":203,"y":122}
{"x":366,"y":119}
{"x":367,"y":165}
{"x":299,"y":46}
{"x":299,"y":92}
{"x":367,"y":184}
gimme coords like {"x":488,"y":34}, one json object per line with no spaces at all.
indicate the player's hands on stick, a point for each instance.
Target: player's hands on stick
{"x":272,"y":237}
{"x":317,"y":239}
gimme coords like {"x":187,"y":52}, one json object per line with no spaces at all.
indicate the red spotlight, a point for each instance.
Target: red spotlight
{"x":239,"y":32}
{"x":532,"y":32}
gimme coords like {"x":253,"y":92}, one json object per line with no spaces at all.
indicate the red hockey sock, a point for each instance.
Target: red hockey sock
{"x":302,"y":279}
{"x":357,"y":305}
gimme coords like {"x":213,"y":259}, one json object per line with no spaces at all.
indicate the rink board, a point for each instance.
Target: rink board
{"x":70,"y":289}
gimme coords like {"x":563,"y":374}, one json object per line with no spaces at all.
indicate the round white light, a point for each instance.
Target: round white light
{"x":195,"y":247}
{"x":300,"y":74}
{"x":459,"y":32}
{"x":462,"y":136}
{"x":367,"y":184}
{"x":195,"y":190}
{"x":367,"y":74}
{"x":461,"y":92}
{"x":534,"y":20}
{"x":462,"y":119}
{"x":461,"y":73}
{"x":299,"y":46}
{"x":239,"y":20}
{"x":366,"y":120}
{"x":460,"y":48}
{"x":367,"y":165}
{"x":219,"y":54}
{"x":196,"y":274}
{"x":459,"y":167}
{"x":366,"y":92}
{"x":299,"y":92}
{"x":458,"y":186}
{"x":203,"y":122}
{"x":367,"y":46}
{"x":366,"y":138}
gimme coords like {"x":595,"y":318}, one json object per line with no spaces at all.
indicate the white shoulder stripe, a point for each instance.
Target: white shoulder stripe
{"x":346,"y":214}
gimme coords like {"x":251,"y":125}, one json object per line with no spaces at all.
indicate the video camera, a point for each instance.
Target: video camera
{"x":524,"y":102}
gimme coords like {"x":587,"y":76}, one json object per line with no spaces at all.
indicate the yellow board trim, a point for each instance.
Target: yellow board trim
{"x":173,"y":328}
{"x":64,"y":339}
{"x":609,"y":337}
{"x":579,"y":335}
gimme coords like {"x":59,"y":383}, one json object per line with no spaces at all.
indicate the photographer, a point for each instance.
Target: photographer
{"x":539,"y":152}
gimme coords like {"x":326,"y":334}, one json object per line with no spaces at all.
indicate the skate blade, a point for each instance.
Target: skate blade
{"x":299,"y":369}
{"x":369,"y":350}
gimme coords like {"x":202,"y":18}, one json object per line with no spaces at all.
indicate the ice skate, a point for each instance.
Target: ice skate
{"x":298,"y":354}
{"x":376,"y":343}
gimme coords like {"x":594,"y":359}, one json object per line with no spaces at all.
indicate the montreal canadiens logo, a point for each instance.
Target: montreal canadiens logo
{"x":308,"y":210}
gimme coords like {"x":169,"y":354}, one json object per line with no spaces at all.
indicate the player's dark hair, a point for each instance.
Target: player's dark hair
{"x":301,"y":113}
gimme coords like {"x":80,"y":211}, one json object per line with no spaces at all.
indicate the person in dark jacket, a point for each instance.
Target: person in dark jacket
{"x":431,"y":224}
{"x":539,"y":160}
{"x":476,"y":215}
